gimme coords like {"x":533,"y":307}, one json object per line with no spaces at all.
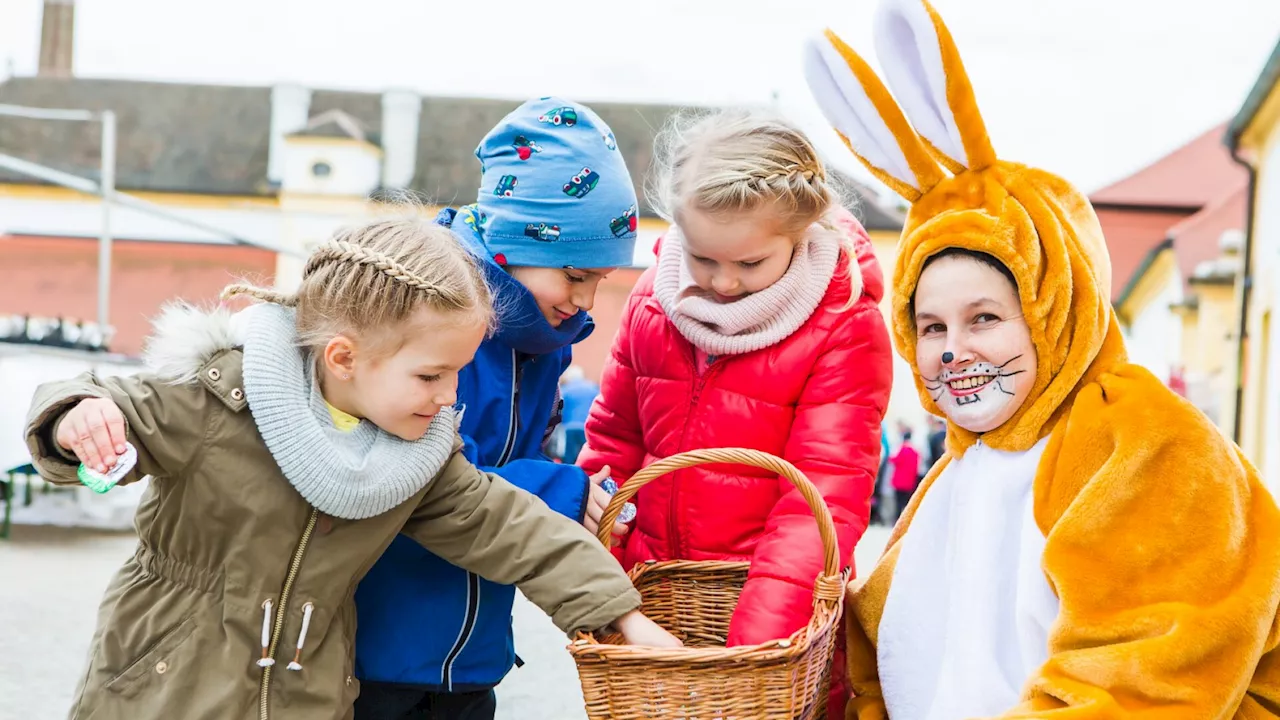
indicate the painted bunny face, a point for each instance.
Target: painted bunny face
{"x":973,"y":347}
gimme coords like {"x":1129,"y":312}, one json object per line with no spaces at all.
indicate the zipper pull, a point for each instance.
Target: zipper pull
{"x":302,"y":636}
{"x":266,"y":661}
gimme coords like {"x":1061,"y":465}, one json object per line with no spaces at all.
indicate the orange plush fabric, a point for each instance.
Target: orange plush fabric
{"x":1162,"y":544}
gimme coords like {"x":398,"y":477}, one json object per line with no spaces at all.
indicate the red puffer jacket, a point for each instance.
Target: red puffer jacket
{"x":816,"y":399}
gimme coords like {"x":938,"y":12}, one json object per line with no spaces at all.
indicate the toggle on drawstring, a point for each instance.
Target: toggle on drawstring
{"x":302,"y":636}
{"x":266,"y":634}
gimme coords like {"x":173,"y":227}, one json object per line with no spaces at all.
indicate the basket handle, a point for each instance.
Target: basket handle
{"x":829,"y":586}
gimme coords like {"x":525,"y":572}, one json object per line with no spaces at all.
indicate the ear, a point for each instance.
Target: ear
{"x":860,"y":108}
{"x":922,"y":65}
{"x":339,"y":356}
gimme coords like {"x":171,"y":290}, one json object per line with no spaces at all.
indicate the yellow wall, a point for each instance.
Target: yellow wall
{"x":904,"y":400}
{"x":1210,"y":351}
{"x":1256,"y":144}
{"x":1154,"y":279}
{"x":193,"y":201}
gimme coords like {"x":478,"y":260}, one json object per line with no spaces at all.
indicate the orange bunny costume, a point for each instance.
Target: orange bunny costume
{"x":1135,"y":570}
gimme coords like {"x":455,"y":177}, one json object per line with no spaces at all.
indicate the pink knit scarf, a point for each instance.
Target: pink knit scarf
{"x":757,"y":321}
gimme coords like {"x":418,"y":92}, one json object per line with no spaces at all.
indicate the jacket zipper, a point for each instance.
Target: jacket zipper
{"x":464,"y":633}
{"x":514,"y":425}
{"x":294,"y":566}
{"x":473,"y":580}
{"x":673,"y":525}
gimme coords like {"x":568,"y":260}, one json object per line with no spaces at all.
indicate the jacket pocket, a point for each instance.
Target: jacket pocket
{"x":159,"y":660}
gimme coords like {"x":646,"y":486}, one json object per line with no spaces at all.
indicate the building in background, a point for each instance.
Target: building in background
{"x":283,"y":164}
{"x":1174,"y":233}
{"x":1253,"y":136}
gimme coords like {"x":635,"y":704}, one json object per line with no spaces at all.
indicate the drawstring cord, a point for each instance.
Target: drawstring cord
{"x":266,"y":662}
{"x":302,"y":636}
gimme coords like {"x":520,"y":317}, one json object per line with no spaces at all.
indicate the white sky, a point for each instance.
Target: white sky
{"x":1091,"y":89}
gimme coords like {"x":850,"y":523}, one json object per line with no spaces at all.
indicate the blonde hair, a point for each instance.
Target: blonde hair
{"x":367,"y":279}
{"x":737,"y":161}
{"x":740,"y":161}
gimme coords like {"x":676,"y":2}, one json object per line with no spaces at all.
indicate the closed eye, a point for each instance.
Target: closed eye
{"x":429,"y":378}
{"x":703,"y":260}
{"x":575,"y":278}
{"x":750,"y":264}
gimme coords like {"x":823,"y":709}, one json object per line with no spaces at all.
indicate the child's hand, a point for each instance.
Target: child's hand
{"x":597,"y":503}
{"x":637,"y":629}
{"x":94,"y":431}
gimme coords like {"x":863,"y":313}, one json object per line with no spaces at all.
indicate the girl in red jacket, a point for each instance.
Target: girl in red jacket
{"x":758,"y":327}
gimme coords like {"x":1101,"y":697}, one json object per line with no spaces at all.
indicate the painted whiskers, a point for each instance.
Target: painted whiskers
{"x":967,"y":385}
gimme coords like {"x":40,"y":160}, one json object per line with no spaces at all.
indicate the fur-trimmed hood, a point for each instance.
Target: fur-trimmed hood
{"x":185,"y":337}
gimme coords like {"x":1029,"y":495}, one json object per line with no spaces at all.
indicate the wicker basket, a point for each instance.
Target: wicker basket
{"x":694,"y":600}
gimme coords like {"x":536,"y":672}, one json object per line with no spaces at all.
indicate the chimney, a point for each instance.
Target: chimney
{"x":290,"y":109}
{"x":400,"y":112}
{"x":57,"y":38}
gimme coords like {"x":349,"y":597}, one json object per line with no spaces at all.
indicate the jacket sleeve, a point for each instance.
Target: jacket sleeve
{"x":835,"y":442}
{"x":1163,"y":547}
{"x":562,"y":487}
{"x":614,"y":435}
{"x":486,"y":525}
{"x":166,"y":423}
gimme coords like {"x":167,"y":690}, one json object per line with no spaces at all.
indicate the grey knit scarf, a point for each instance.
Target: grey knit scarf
{"x":351,"y":475}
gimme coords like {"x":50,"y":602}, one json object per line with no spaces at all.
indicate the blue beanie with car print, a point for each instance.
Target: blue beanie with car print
{"x":554,"y":190}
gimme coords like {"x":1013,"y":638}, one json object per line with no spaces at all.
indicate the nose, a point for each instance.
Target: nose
{"x":955,"y":353}
{"x":584,"y":299}
{"x":723,"y":284}
{"x":448,"y":395}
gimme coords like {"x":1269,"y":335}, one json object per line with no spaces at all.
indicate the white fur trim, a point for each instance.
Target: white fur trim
{"x":967,"y":618}
{"x":849,"y":109}
{"x":910,"y":55}
{"x":184,"y":338}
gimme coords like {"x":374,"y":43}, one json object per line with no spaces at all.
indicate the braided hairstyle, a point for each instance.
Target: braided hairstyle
{"x":738,"y":161}
{"x":368,"y":279}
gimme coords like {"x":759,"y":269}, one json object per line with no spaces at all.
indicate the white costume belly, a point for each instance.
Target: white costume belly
{"x":967,"y":619}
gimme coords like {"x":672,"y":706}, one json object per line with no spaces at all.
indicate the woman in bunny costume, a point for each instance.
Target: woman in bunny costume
{"x":1090,"y":546}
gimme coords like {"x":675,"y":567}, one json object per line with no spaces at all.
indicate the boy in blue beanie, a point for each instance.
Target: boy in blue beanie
{"x":556,"y":213}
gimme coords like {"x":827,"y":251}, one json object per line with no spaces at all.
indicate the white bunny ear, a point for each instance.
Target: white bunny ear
{"x":923,"y":66}
{"x":860,"y":108}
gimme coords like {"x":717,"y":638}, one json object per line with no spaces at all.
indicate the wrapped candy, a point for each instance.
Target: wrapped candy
{"x":628,"y":510}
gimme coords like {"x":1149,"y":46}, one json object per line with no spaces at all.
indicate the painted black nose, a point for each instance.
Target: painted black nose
{"x":948,"y":356}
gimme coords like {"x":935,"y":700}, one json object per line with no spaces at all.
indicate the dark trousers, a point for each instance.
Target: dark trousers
{"x":381,"y":701}
{"x":903,"y":497}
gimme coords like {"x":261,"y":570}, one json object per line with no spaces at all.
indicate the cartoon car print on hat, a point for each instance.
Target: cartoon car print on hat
{"x":525,"y":147}
{"x":475,"y":219}
{"x":620,"y":226}
{"x":582,"y":183}
{"x":566,"y":116}
{"x":609,"y":140}
{"x":506,"y":186}
{"x":542,"y":232}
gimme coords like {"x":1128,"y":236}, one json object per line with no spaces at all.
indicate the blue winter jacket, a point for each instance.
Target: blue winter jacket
{"x":421,"y":620}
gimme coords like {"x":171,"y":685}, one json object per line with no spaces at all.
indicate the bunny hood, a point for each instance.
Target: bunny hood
{"x":931,"y":147}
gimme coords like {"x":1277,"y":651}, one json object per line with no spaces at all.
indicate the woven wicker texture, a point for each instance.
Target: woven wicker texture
{"x":694,"y":600}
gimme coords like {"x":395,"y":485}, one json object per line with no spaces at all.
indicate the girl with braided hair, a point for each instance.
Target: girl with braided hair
{"x":759,"y":327}
{"x":287,"y":446}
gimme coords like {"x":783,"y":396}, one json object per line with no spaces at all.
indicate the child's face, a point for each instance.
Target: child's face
{"x":403,"y":391}
{"x":561,"y":292}
{"x":732,"y":256}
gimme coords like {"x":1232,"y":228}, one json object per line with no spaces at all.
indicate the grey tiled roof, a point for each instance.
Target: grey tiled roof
{"x":213,"y":139}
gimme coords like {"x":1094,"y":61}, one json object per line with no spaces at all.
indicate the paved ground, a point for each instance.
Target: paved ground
{"x":52,"y":578}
